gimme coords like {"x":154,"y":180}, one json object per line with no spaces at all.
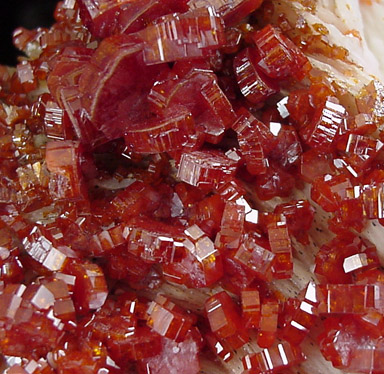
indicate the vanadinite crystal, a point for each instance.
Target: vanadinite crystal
{"x":181,"y":192}
{"x":225,"y":321}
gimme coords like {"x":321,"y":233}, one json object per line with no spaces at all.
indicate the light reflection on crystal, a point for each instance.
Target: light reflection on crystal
{"x":181,"y":36}
{"x":355,"y":262}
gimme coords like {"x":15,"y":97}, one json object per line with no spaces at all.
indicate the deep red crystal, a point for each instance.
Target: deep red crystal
{"x":268,"y":323}
{"x":225,"y":320}
{"x":199,"y":92}
{"x":232,"y":226}
{"x":206,"y":169}
{"x":250,"y":303}
{"x":43,"y":247}
{"x":112,"y":85}
{"x":253,"y":82}
{"x":275,"y":182}
{"x":325,"y":124}
{"x":281,"y":245}
{"x":106,"y":17}
{"x":90,"y":288}
{"x":181,"y":36}
{"x":152,"y":148}
{"x":162,"y":134}
{"x":274,"y":359}
{"x":352,"y":255}
{"x":299,"y":216}
{"x":219,"y":347}
{"x":63,"y":161}
{"x":168,"y":320}
{"x":201,"y":265}
{"x":33,"y":316}
{"x":254,"y":253}
{"x":247,"y":129}
{"x":279,"y":57}
{"x":232,"y":12}
{"x":328,"y":191}
{"x":300,"y":315}
{"x":11,"y":269}
{"x":348,"y":347}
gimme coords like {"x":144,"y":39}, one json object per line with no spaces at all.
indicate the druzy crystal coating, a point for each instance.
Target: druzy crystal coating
{"x":166,"y":168}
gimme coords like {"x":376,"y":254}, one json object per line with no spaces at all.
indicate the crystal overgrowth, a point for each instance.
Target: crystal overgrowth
{"x":167,"y":169}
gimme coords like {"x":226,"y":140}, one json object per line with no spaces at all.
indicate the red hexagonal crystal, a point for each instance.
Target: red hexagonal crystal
{"x":274,"y":359}
{"x":300,"y":315}
{"x":324,"y":126}
{"x":275,"y":182}
{"x":45,"y":248}
{"x":154,"y":242}
{"x":268,"y":323}
{"x":280,"y":58}
{"x":232,"y":226}
{"x":161,"y":134}
{"x":56,"y":121}
{"x":63,"y":161}
{"x":90,"y":289}
{"x":232,"y":190}
{"x":370,"y":100}
{"x":134,"y":344}
{"x":200,"y":93}
{"x":167,"y":319}
{"x":107,"y":17}
{"x":82,"y":355}
{"x":163,"y":158}
{"x":26,"y":76}
{"x":314,"y":164}
{"x":181,"y":36}
{"x":329,"y":261}
{"x":255,"y":254}
{"x":250,"y":303}
{"x":205,"y":169}
{"x":300,"y":107}
{"x":299,"y":216}
{"x":114,"y":85}
{"x":207,"y":214}
{"x":201,"y":264}
{"x":219,"y":347}
{"x":348,"y":347}
{"x":281,"y":245}
{"x":372,"y":195}
{"x":359,"y":151}
{"x":110,"y":239}
{"x":207,"y":260}
{"x":225,"y":320}
{"x":348,"y":298}
{"x":288,"y":146}
{"x":247,"y":128}
{"x":330,"y":190}
{"x":67,"y":69}
{"x":232,"y":12}
{"x":138,"y":197}
{"x":32,"y":316}
{"x":11,"y":269}
{"x":253,"y":82}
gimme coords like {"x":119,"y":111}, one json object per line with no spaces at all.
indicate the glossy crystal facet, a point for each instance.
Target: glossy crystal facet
{"x":180,"y":36}
{"x":225,"y":320}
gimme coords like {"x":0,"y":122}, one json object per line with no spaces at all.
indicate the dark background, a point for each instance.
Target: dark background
{"x":27,"y":13}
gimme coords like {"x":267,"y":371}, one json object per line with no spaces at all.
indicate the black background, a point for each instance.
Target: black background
{"x":27,"y":13}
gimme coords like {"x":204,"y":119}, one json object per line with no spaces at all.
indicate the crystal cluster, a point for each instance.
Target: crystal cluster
{"x":155,"y":145}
